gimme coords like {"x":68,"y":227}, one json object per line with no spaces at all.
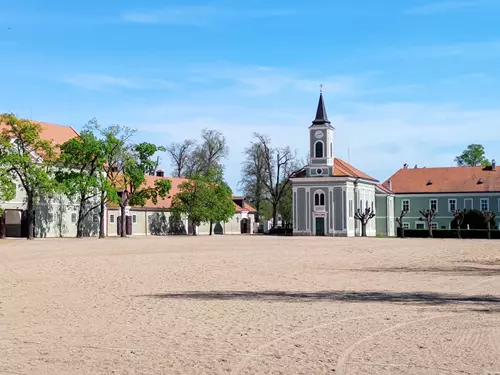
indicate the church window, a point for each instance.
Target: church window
{"x":331,"y":149}
{"x":319,"y":199}
{"x":318,"y":149}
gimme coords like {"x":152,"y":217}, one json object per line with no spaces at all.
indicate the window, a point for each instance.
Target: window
{"x":452,"y":205}
{"x":319,"y":199}
{"x":485,"y":204}
{"x":405,"y":205}
{"x":419,"y":225}
{"x":134,"y":219}
{"x":95,"y":218}
{"x":366,"y":204}
{"x":406,"y":225}
{"x":318,"y":149}
{"x":112,"y":218}
{"x":319,"y":171}
{"x":331,"y":149}
{"x":372,"y":207}
{"x":351,"y":211}
{"x":73,"y":217}
{"x":434,"y":225}
{"x":468,"y":204}
{"x":433,"y":204}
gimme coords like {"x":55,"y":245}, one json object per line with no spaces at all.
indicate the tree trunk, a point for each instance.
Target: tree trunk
{"x":458,"y":232}
{"x":101,"y":217}
{"x":402,"y":232}
{"x":79,"y":224}
{"x":123,"y":222}
{"x":488,"y":228}
{"x":211,"y":226}
{"x":363,"y":229}
{"x":31,"y":217}
{"x":430,"y":230}
{"x":257,"y":208}
{"x":275,"y":215}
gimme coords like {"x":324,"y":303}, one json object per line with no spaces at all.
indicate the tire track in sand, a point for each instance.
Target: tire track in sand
{"x":344,"y":357}
{"x":255,"y":352}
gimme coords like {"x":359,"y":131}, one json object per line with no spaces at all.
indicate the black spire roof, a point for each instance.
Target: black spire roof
{"x":321,"y":116}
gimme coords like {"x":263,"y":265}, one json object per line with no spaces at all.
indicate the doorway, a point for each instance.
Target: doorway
{"x":320,"y":226}
{"x":13,"y":223}
{"x":245,"y":226}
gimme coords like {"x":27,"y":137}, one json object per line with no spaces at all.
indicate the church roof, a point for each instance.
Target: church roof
{"x":341,"y":168}
{"x":321,"y":116}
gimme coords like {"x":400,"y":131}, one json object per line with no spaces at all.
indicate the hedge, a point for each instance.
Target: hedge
{"x":281,"y":231}
{"x":451,"y":233}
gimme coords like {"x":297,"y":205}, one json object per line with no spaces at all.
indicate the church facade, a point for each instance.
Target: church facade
{"x":328,"y":191}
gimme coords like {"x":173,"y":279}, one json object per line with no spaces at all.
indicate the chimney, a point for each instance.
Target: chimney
{"x":493,"y":165}
{"x":389,"y":185}
{"x":405,"y":166}
{"x":160,"y":173}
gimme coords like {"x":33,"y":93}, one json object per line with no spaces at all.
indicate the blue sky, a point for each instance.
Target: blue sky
{"x":404,"y":82}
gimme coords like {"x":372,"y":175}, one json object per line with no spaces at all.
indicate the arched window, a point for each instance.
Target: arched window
{"x":319,"y":198}
{"x":318,"y":149}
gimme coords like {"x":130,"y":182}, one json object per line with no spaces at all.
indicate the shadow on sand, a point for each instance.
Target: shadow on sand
{"x":425,"y":298}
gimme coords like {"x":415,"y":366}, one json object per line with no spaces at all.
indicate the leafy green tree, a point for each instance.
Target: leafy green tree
{"x":286,"y":207}
{"x":220,"y":200}
{"x":473,"y":156}
{"x":81,"y":163}
{"x":131,"y":181}
{"x":191,"y":201}
{"x":29,"y":159}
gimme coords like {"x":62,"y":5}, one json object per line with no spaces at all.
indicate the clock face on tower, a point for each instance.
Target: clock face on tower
{"x":318,"y":134}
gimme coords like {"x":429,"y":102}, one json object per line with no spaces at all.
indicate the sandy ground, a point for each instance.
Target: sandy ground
{"x":249,"y":305}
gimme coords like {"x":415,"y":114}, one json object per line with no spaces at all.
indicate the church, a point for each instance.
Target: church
{"x":328,"y":191}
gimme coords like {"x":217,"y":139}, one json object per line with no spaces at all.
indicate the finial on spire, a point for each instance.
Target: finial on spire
{"x":321,"y":88}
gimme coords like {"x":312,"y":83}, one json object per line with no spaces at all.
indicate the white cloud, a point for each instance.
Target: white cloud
{"x":103,"y":82}
{"x":442,"y":7}
{"x":197,"y":15}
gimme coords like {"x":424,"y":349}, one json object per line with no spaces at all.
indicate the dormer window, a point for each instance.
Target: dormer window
{"x":318,"y":149}
{"x":429,"y":182}
{"x":480,"y":181}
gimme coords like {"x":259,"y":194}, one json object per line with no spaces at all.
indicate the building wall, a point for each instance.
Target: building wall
{"x":444,"y":215}
{"x":381,"y":211}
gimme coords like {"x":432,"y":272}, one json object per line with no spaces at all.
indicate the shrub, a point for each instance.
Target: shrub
{"x":451,"y":233}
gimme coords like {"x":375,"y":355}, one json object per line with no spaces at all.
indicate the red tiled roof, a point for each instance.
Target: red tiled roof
{"x":341,"y":168}
{"x":57,"y":134}
{"x":445,"y":180}
{"x":384,"y":189}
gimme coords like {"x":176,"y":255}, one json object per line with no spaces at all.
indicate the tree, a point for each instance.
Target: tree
{"x":180,"y":155}
{"x":399,"y":220}
{"x":81,"y":162}
{"x":7,"y":192}
{"x":191,"y":200}
{"x":459,"y":216}
{"x":364,"y":217}
{"x":428,"y":216}
{"x":115,"y":145}
{"x":131,"y":181}
{"x":286,"y":207}
{"x":253,"y":174}
{"x":279,"y":165}
{"x":208,"y":155}
{"x":488,"y":218}
{"x":27,"y":158}
{"x":473,"y":156}
{"x":220,"y":199}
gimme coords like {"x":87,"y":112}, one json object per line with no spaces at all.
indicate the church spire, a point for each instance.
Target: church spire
{"x":321,"y":116}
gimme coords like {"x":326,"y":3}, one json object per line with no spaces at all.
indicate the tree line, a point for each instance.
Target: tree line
{"x":103,"y":165}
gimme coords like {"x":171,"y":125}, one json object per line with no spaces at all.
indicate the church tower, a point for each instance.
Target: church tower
{"x":321,"y":134}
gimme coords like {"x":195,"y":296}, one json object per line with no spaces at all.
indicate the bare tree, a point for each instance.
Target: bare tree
{"x":399,"y":220}
{"x":488,"y":216}
{"x":253,"y":174}
{"x":428,"y":216}
{"x":180,"y":154}
{"x":459,"y":217}
{"x":364,"y":218}
{"x":207,"y":156}
{"x":279,"y":165}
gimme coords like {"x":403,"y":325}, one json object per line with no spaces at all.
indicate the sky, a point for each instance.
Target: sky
{"x":410,"y":81}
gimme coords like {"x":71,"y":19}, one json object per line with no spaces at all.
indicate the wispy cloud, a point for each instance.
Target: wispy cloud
{"x":197,"y":15}
{"x":103,"y":82}
{"x":442,"y":7}
{"x":264,"y":80}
